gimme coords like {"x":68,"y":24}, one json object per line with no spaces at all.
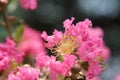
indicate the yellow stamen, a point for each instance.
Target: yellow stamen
{"x":67,"y":45}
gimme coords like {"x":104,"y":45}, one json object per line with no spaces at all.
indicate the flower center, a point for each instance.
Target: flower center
{"x":67,"y":45}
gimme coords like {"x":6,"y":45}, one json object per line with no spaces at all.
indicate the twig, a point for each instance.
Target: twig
{"x":7,"y":24}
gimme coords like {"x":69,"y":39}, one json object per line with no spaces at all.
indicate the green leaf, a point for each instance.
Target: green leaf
{"x":18,"y":33}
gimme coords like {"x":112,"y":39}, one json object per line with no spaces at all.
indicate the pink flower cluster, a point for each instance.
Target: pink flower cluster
{"x":28,"y":4}
{"x":8,"y":53}
{"x":81,"y":40}
{"x":24,"y":73}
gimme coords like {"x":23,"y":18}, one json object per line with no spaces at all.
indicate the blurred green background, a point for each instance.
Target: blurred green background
{"x":50,"y":14}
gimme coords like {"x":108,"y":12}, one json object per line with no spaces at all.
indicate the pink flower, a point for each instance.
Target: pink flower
{"x":80,"y":39}
{"x":24,"y":73}
{"x":31,"y":42}
{"x":9,"y":52}
{"x":28,"y":4}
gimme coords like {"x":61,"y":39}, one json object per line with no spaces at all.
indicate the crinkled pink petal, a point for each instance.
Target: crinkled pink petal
{"x":52,"y":40}
{"x":67,"y":23}
{"x":94,"y":69}
{"x":25,"y":73}
{"x":69,"y":61}
{"x":42,"y":60}
{"x":62,"y":67}
{"x":93,"y":49}
{"x":96,"y":32}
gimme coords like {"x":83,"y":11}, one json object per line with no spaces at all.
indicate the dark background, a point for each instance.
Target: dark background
{"x":50,"y":14}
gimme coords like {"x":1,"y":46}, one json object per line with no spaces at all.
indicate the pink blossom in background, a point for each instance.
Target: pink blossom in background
{"x":117,"y":77}
{"x":12,"y":51}
{"x":9,"y":52}
{"x":4,"y":60}
{"x":31,"y":42}
{"x":28,"y":4}
{"x":24,"y":73}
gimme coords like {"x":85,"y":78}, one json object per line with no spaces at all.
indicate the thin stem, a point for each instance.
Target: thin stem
{"x":45,"y":78}
{"x":7,"y":24}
